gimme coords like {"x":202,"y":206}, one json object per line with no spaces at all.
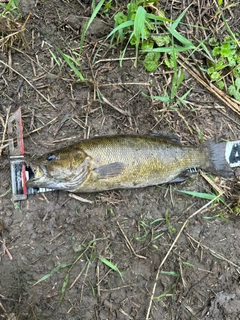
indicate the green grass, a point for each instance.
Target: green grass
{"x":110,"y":265}
{"x":171,"y":229}
{"x":151,"y":230}
{"x":74,"y":60}
{"x":224,"y":70}
{"x":74,"y":64}
{"x":145,"y":30}
{"x":52,"y":272}
{"x":139,"y":28}
{"x":157,"y":38}
{"x":167,"y":292}
{"x":87,"y":251}
{"x":12,"y":8}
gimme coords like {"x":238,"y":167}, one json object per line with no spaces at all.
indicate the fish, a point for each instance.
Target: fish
{"x":125,"y":161}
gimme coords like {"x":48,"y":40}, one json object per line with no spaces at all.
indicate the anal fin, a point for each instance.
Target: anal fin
{"x":184,"y":175}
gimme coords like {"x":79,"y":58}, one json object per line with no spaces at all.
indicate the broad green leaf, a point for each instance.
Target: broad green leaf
{"x":151,"y":61}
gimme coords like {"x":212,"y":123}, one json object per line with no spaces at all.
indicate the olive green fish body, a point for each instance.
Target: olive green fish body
{"x":115,"y":162}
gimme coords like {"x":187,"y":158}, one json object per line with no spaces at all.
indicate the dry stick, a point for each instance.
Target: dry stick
{"x":31,"y":85}
{"x":74,"y":196}
{"x":129,"y":244}
{"x":170,"y":249}
{"x":210,"y":87}
{"x":124,"y":84}
{"x":214,"y":252}
{"x":126,"y":113}
{"x":35,"y":130}
{"x":211,"y":182}
{"x":4,"y":131}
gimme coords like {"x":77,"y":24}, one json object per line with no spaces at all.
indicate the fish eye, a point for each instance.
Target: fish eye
{"x":51,"y":158}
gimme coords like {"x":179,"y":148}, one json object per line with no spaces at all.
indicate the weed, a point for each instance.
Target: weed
{"x":11,"y":8}
{"x":110,"y":265}
{"x":171,"y":229}
{"x":224,"y":69}
{"x":73,"y":60}
{"x":150,"y":228}
{"x":166,"y":293}
{"x":141,"y":29}
{"x":74,"y":64}
{"x":146,"y":27}
{"x":107,"y":6}
{"x":236,"y":208}
{"x":151,"y":31}
{"x":11,"y":27}
{"x":185,"y":263}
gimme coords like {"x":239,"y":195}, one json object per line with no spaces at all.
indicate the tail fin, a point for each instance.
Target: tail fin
{"x":217,"y":164}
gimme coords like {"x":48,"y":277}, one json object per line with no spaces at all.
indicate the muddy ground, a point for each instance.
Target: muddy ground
{"x":133,"y":229}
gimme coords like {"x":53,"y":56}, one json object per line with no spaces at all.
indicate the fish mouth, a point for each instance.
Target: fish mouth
{"x":39,"y":178}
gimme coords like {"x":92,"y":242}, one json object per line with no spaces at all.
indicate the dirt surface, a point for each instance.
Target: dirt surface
{"x":134,"y":229}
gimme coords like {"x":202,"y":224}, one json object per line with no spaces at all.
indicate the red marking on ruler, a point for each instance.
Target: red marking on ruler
{"x":24,"y":180}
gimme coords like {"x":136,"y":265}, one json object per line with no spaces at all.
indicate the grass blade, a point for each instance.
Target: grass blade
{"x":111,"y":265}
{"x":123,"y":25}
{"x":178,"y":20}
{"x":172,"y":29}
{"x":168,"y":49}
{"x":171,"y":273}
{"x":164,"y":99}
{"x":95,"y":12}
{"x":154,"y":17}
{"x":64,"y":286}
{"x":201,"y":195}
{"x":55,"y":58}
{"x":59,"y":267}
{"x":139,"y":28}
{"x":70,"y":61}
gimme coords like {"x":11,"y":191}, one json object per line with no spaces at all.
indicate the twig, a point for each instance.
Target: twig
{"x":211,"y":182}
{"x":72,"y":195}
{"x":214,"y":252}
{"x":170,"y":249}
{"x":4,"y":131}
{"x":209,"y":86}
{"x":31,"y":85}
{"x":126,"y":113}
{"x":129,"y":244}
{"x":5,"y":250}
{"x":26,"y":135}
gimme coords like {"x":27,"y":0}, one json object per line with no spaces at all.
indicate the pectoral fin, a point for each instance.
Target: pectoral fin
{"x":109,"y":170}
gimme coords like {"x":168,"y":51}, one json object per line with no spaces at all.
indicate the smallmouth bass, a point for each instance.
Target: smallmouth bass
{"x":125,"y":161}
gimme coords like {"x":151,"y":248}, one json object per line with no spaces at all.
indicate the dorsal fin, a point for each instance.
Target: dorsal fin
{"x":167,"y":136}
